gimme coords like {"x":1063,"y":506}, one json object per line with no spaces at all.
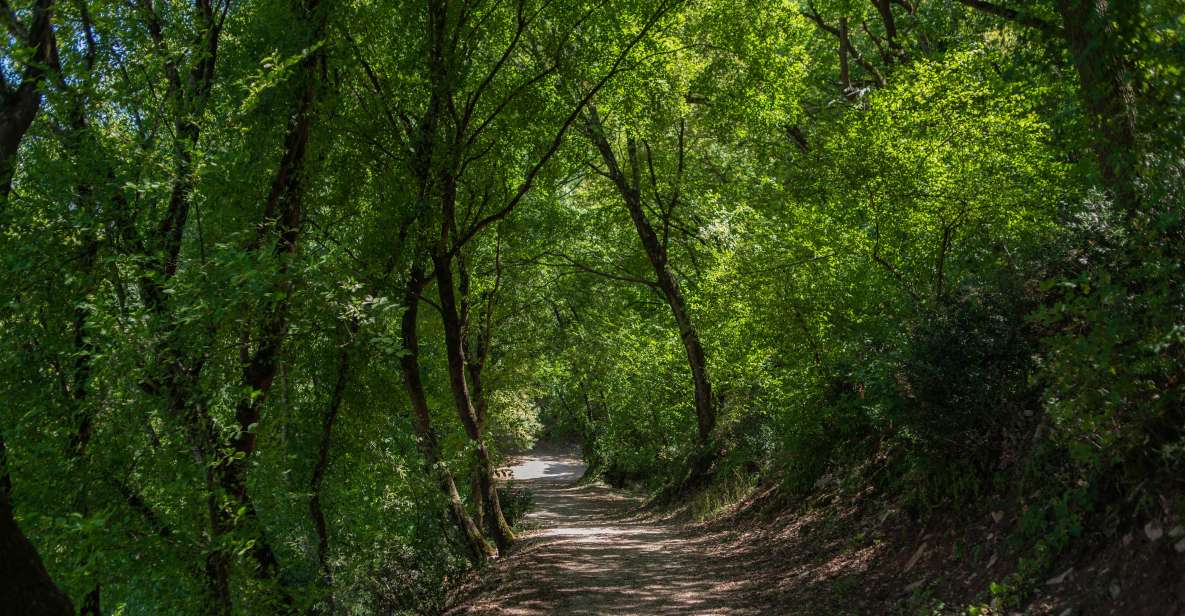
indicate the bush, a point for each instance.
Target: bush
{"x":964,"y":372}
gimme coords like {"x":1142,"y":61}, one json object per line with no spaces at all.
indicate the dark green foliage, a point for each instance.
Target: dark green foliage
{"x":964,"y":373}
{"x":516,"y":502}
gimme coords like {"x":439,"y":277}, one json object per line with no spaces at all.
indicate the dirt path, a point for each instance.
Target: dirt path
{"x":588,"y":551}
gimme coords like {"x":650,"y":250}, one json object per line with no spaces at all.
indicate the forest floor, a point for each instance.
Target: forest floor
{"x":588,"y":549}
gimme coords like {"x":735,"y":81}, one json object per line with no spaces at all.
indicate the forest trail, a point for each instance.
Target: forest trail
{"x":588,"y":550}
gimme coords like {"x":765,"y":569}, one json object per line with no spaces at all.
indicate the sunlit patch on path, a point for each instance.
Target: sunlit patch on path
{"x":561,"y":468}
{"x":586,"y":551}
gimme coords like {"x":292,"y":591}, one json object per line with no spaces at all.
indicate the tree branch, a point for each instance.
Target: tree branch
{"x":529,"y":181}
{"x":577,"y":265}
{"x":1048,"y":28}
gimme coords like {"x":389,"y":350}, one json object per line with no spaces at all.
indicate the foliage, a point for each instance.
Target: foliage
{"x":903,"y":240}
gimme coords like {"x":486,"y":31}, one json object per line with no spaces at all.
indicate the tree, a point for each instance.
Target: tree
{"x":27,"y":585}
{"x":20,"y":102}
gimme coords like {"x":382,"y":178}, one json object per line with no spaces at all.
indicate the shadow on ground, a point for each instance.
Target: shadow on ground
{"x":588,"y":551}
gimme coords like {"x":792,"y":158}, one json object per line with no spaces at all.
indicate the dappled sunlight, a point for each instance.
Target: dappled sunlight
{"x":594,"y":531}
{"x":588,"y":552}
{"x":548,"y":468}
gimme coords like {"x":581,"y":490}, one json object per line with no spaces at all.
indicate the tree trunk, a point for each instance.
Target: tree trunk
{"x":25,"y":585}
{"x":656,"y":252}
{"x":455,"y":353}
{"x":282,"y":219}
{"x":477,"y":495}
{"x":19,"y":106}
{"x":473,"y":366}
{"x":476,"y":349}
{"x":426,"y":439}
{"x":1093,"y":32}
{"x":322,"y":464}
{"x":91,"y":603}
{"x":845,"y":75}
{"x":885,"y":9}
